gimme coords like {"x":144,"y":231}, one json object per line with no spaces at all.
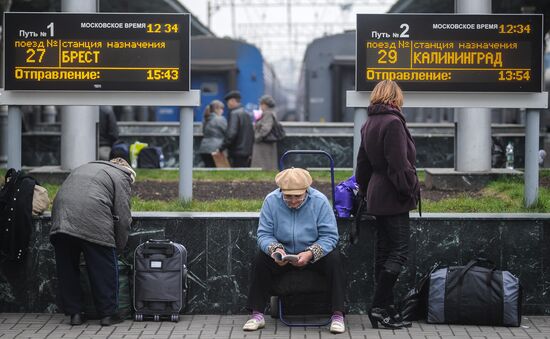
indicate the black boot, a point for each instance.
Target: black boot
{"x":383,"y":295}
{"x":77,"y":319}
{"x":394,"y":313}
{"x":111,"y":320}
{"x":382,"y":316}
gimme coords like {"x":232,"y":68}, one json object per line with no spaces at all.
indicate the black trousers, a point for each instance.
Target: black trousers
{"x":392,"y":242}
{"x":101,"y":262}
{"x":264,"y":269}
{"x":240,"y":161}
{"x":392,"y":249}
{"x":208,"y":160}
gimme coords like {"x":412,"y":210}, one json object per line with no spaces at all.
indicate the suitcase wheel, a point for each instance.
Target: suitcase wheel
{"x":175,"y":318}
{"x":138,"y":317}
{"x":156,"y":317}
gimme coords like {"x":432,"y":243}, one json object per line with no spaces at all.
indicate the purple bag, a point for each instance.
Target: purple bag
{"x":344,"y":198}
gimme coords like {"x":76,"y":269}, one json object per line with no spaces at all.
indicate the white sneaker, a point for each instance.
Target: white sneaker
{"x":337,"y":325}
{"x":254,"y":324}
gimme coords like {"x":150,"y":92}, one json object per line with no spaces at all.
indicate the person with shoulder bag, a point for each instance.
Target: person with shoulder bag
{"x":386,"y":175}
{"x":214,"y":126}
{"x":264,"y":153}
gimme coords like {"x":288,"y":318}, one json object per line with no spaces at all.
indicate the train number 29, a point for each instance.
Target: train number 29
{"x":387,"y":56}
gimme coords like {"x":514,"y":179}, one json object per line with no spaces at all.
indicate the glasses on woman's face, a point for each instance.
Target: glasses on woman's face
{"x":291,"y":198}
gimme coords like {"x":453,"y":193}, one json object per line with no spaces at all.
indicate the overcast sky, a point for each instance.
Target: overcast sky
{"x":267,"y":27}
{"x":221,"y":17}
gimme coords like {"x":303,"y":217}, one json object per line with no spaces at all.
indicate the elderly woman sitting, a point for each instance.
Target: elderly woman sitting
{"x":296,"y":219}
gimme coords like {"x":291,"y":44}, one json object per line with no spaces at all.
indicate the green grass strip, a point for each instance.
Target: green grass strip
{"x":227,"y":205}
{"x":228,"y":175}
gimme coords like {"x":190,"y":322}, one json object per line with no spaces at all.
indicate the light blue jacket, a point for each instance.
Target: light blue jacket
{"x":313,"y":223}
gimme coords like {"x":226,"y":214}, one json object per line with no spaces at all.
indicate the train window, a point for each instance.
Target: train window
{"x":210,"y":88}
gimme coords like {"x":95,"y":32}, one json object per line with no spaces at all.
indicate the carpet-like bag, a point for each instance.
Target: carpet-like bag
{"x":474,"y":295}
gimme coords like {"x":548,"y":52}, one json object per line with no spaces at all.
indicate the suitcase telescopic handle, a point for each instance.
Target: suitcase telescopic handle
{"x":159,"y":241}
{"x":287,"y":153}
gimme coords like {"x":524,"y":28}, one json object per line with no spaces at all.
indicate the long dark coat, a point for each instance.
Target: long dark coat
{"x":264,"y":154}
{"x":386,"y":163}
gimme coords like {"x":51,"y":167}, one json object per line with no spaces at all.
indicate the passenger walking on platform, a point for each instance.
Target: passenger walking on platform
{"x":296,"y":219}
{"x":91,"y":215}
{"x":214,"y":126}
{"x":264,"y":154}
{"x":239,"y":137}
{"x":108,"y":131}
{"x":386,"y":175}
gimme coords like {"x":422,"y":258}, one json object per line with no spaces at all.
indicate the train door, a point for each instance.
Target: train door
{"x":342,"y":80}
{"x":212,"y":87}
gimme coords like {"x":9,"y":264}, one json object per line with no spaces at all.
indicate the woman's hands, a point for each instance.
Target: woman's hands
{"x":305,"y":258}
{"x":280,"y":262}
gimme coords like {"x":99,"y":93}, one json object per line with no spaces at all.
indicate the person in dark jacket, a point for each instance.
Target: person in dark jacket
{"x":213,"y":132}
{"x":108,"y":131}
{"x":386,"y":175}
{"x":91,"y":215}
{"x":239,"y":137}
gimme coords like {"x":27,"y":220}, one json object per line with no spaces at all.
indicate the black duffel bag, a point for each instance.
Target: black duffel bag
{"x":474,"y":295}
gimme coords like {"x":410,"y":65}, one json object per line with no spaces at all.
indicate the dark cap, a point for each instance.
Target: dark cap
{"x":232,"y":95}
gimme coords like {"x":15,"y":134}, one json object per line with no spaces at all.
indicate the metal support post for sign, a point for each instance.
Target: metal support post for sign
{"x":78,"y":137}
{"x":186,"y":154}
{"x":531,"y":157}
{"x":473,"y":140}
{"x":3,"y":136}
{"x":473,"y":124}
{"x":14,"y":137}
{"x":359,"y":118}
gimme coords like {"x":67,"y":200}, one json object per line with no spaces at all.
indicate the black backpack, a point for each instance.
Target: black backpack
{"x":151,"y":157}
{"x":16,"y":214}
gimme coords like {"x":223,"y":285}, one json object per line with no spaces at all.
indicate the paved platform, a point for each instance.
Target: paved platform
{"x":30,"y":325}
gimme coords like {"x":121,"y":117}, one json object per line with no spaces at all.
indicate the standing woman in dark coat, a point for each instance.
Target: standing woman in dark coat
{"x":386,"y":175}
{"x":264,"y":154}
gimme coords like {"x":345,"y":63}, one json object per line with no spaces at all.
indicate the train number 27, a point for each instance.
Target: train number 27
{"x":33,"y":53}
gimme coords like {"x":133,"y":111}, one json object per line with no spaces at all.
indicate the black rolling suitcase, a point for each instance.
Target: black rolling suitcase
{"x":160,"y":280}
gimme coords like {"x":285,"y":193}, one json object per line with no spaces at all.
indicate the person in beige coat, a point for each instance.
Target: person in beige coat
{"x":264,"y":154}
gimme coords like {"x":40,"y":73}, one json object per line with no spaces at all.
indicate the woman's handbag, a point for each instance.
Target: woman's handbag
{"x":40,"y":200}
{"x":277,"y":132}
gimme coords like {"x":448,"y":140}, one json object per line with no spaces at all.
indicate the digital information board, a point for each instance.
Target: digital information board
{"x":96,"y":51}
{"x":464,"y":53}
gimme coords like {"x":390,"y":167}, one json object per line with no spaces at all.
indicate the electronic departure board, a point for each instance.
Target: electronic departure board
{"x":91,"y":52}
{"x":464,"y":53}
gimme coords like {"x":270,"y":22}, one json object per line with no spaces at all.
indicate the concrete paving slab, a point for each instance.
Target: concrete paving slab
{"x":33,"y":326}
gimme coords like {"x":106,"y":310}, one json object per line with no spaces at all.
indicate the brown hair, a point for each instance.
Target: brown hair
{"x":211,"y":108}
{"x":387,"y":92}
